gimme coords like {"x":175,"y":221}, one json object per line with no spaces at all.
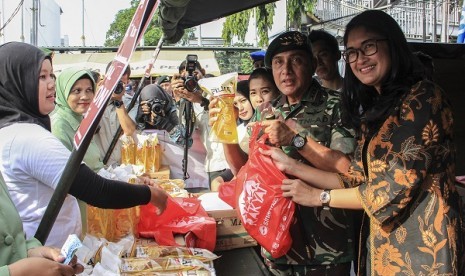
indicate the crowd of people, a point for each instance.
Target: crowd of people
{"x":369,"y":156}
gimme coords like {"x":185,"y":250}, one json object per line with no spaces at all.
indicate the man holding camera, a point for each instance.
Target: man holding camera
{"x":185,"y":86}
{"x":115,"y":115}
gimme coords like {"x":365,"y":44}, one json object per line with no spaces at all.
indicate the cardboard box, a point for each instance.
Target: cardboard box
{"x":163,"y":173}
{"x":230,"y":233}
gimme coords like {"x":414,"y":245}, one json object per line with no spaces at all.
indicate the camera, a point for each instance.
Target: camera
{"x":119,"y":88}
{"x":190,"y":82}
{"x":156,"y":106}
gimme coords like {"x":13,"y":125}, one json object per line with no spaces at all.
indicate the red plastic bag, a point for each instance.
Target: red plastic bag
{"x":181,"y":216}
{"x":265,"y":213}
{"x":227,"y":192}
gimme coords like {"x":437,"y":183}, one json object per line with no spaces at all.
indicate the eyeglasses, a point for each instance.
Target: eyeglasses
{"x":369,"y":48}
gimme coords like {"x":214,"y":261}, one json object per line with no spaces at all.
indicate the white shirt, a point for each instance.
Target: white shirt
{"x":109,"y":124}
{"x":172,"y":155}
{"x":243,"y":137}
{"x":32,"y":161}
{"x":215,"y":159}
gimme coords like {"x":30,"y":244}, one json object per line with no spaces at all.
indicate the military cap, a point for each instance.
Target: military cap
{"x":287,"y":41}
{"x":258,"y":55}
{"x":163,"y":79}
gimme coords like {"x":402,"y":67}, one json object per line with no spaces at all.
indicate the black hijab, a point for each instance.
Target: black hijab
{"x":20,"y":65}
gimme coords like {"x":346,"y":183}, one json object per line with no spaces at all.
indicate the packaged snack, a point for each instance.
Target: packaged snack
{"x":160,"y":251}
{"x":128,"y":150}
{"x":148,"y":153}
{"x":135,"y":265}
{"x":174,"y":187}
{"x":224,"y":130}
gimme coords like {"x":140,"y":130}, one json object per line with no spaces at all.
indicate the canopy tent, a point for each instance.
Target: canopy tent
{"x":177,"y":15}
{"x":167,"y":62}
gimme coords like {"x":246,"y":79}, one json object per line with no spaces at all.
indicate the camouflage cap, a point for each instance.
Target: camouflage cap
{"x":287,"y":41}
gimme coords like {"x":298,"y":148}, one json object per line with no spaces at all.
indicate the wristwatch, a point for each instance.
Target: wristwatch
{"x":118,"y":104}
{"x":299,"y":141}
{"x":325,"y":198}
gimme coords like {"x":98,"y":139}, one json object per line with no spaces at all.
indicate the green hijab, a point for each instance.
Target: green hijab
{"x":64,"y":83}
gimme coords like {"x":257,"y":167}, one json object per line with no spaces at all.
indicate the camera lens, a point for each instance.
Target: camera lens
{"x":191,"y":84}
{"x":119,"y":88}
{"x":157,"y":108}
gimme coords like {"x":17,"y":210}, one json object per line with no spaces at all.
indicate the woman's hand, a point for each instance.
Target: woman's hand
{"x":146,"y":180}
{"x":45,"y":260}
{"x":147,"y":111}
{"x":283,"y":162}
{"x":158,"y":198}
{"x":301,"y":193}
{"x":40,"y":266}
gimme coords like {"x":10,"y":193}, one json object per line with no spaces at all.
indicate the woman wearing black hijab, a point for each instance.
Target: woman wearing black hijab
{"x":32,"y":159}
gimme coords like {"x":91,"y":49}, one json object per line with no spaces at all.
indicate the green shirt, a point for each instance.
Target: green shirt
{"x":13,"y":243}
{"x":65,"y":123}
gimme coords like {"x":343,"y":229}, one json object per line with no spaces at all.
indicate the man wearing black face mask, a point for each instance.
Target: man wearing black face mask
{"x":157,"y":111}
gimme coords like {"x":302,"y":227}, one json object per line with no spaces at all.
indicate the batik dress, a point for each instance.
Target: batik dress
{"x":405,"y":180}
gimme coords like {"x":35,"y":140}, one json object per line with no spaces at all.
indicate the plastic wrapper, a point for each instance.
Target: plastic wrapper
{"x":174,"y":187}
{"x":224,"y":130}
{"x":114,"y":224}
{"x":148,"y":153}
{"x":159,"y":251}
{"x":128,"y":150}
{"x":137,"y":265}
{"x":90,"y":246}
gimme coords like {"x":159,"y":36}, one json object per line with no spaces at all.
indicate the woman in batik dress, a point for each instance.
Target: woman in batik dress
{"x":402,"y":172}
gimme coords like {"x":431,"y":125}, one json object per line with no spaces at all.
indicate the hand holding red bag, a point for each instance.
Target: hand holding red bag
{"x":181,"y":216}
{"x":265,"y":213}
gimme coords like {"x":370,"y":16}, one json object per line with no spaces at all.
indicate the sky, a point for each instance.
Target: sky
{"x":98,"y":15}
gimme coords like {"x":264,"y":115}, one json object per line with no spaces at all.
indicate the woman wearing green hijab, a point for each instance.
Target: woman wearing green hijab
{"x":75,"y":90}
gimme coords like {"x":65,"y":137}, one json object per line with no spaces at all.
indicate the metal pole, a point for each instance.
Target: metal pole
{"x":83,"y":37}
{"x":445,"y":22}
{"x":435,"y":22}
{"x":35,"y":23}
{"x":22,"y":23}
{"x":424,"y":21}
{"x":199,"y":40}
{"x":2,"y":21}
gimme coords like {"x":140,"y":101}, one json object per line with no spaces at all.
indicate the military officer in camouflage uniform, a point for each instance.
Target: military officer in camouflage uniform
{"x":307,"y":127}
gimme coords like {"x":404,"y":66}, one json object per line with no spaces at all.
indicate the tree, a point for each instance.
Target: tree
{"x":152,"y":35}
{"x":236,"y":25}
{"x":234,"y":61}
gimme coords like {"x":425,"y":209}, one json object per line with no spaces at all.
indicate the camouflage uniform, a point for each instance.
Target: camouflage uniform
{"x":321,"y":237}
